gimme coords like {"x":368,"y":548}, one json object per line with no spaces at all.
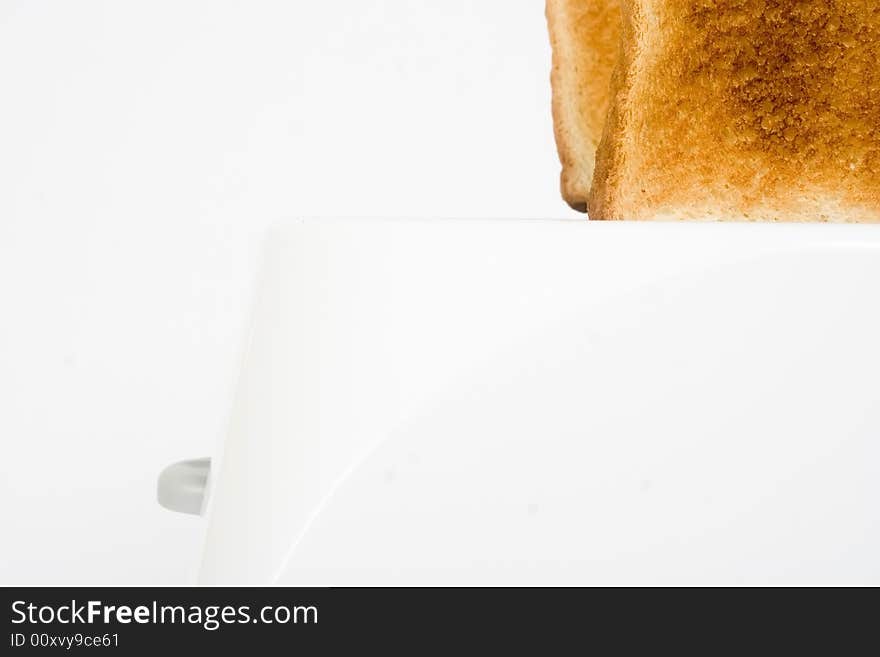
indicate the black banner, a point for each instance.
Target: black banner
{"x":410,"y":621}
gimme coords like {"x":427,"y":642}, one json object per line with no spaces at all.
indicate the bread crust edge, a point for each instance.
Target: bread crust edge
{"x":573,"y":190}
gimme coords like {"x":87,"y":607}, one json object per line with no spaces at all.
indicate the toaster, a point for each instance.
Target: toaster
{"x":537,"y":402}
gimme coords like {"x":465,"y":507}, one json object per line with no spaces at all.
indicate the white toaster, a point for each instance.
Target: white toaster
{"x":551,"y":402}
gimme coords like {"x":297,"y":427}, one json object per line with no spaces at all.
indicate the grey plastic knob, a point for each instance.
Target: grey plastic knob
{"x":182,"y":485}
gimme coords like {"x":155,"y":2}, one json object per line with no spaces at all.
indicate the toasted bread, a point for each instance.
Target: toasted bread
{"x":744,"y":110}
{"x":585,"y":39}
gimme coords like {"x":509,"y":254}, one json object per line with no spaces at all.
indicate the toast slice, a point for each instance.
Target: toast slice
{"x":745,"y":110}
{"x":585,"y":39}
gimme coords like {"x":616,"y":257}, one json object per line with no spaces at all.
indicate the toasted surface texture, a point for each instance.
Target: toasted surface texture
{"x":743,"y":109}
{"x":585,"y":39}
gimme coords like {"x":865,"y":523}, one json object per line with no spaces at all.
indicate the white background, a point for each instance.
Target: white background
{"x":144,"y":148}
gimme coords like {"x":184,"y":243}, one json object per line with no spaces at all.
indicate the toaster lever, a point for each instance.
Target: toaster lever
{"x":182,"y":485}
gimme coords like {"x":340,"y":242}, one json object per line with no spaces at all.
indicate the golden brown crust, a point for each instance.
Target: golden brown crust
{"x":584,"y":35}
{"x":744,"y":110}
{"x":610,"y":156}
